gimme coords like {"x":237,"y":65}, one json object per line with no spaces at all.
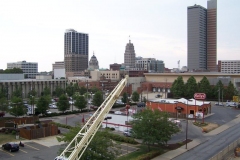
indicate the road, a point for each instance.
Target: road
{"x":212,"y":145}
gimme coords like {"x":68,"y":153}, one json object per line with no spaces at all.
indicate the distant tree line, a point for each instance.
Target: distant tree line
{"x":14,"y":70}
{"x":180,"y":89}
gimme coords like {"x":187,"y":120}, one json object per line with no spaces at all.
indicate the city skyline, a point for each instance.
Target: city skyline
{"x":33,"y":30}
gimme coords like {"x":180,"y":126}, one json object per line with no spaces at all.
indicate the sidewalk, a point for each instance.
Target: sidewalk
{"x":174,"y":153}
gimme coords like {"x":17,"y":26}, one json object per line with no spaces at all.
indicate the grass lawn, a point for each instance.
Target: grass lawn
{"x":142,"y":150}
{"x":8,"y":138}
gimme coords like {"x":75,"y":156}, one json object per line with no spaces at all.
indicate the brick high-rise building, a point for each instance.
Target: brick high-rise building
{"x":212,"y":35}
{"x":75,"y":52}
{"x":202,"y":37}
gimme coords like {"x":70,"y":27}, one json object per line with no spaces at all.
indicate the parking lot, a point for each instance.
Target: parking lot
{"x":31,"y":150}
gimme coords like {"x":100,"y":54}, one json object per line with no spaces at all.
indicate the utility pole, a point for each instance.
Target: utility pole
{"x":218,"y":95}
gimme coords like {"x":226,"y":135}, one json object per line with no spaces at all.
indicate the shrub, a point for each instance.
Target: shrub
{"x":120,"y":138}
{"x":149,"y":155}
{"x":13,"y":132}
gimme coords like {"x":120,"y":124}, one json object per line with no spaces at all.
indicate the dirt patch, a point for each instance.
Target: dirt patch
{"x":209,"y":127}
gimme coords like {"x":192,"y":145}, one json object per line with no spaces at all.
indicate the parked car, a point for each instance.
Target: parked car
{"x":141,"y":104}
{"x":52,"y":106}
{"x":231,"y":104}
{"x":220,"y":104}
{"x":127,"y":133}
{"x":158,"y":96}
{"x":117,"y":112}
{"x":48,"y":112}
{"x":10,"y":146}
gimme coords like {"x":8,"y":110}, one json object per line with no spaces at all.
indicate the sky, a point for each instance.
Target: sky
{"x":33,"y":30}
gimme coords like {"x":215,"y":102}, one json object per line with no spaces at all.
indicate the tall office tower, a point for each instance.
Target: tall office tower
{"x":75,"y":52}
{"x":197,"y":37}
{"x":202,"y":37}
{"x":212,"y":35}
{"x":129,"y":55}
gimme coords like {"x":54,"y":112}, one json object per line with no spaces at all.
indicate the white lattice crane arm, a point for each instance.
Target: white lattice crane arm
{"x":78,"y":145}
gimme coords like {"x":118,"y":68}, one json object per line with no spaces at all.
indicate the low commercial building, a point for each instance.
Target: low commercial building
{"x":180,"y":108}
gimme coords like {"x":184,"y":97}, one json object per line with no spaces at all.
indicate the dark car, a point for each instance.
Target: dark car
{"x":11,"y":146}
{"x":141,"y":104}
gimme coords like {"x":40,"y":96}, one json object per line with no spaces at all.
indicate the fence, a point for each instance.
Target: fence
{"x":38,"y":131}
{"x":25,"y":120}
{"x":229,"y":150}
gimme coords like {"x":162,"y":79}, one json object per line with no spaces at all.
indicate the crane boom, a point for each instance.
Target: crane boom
{"x":78,"y":145}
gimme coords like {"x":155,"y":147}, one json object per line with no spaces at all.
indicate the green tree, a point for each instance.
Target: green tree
{"x":230,"y":91}
{"x":190,"y":87}
{"x":205,"y":87}
{"x":59,"y":91}
{"x":70,"y":90}
{"x":124,"y":97}
{"x":94,"y":90}
{"x":135,"y":96}
{"x":42,"y":104}
{"x":97,"y":98}
{"x":80,"y":102}
{"x":101,"y":146}
{"x":17,"y":92}
{"x":14,"y":70}
{"x":18,"y":108}
{"x":177,"y":88}
{"x":153,"y":127}
{"x":46,"y":91}
{"x":32,"y":93}
{"x":3,"y":101}
{"x":83,"y":90}
{"x":218,"y":88}
{"x":63,"y":103}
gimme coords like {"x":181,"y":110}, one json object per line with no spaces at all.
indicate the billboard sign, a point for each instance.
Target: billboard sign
{"x":200,"y":96}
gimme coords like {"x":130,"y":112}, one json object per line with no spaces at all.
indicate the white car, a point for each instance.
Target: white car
{"x":117,"y":112}
{"x":52,"y":106}
{"x":48,"y":112}
{"x":220,"y":104}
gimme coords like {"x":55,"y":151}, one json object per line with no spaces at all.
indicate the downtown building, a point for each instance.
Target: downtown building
{"x":30,"y":69}
{"x":129,"y":56}
{"x":202,"y":37}
{"x":75,"y":52}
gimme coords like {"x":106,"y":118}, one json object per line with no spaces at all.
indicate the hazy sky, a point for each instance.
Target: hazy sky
{"x":33,"y":30}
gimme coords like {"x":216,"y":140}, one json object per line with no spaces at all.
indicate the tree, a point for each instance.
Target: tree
{"x":3,"y":101}
{"x":63,"y":103}
{"x":83,"y":90}
{"x":70,"y":90}
{"x":190,"y":87}
{"x":59,"y":91}
{"x":46,"y":91}
{"x":17,"y":92}
{"x":205,"y":87}
{"x":80,"y":102}
{"x":97,"y":98}
{"x":230,"y":91}
{"x":153,"y":127}
{"x":14,"y":70}
{"x":18,"y":108}
{"x":178,"y":87}
{"x":217,"y":88}
{"x":94,"y":89}
{"x":101,"y":146}
{"x":135,"y":96}
{"x":42,"y":104}
{"x":124,"y":98}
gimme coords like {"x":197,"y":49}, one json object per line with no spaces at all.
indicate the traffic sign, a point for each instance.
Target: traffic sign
{"x":199,"y":95}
